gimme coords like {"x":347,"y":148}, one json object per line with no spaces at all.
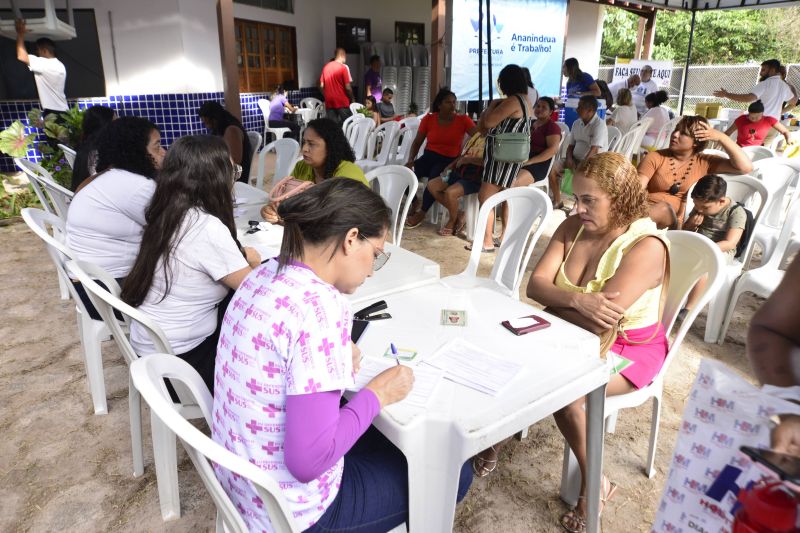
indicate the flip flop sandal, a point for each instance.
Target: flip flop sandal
{"x":461,"y":223}
{"x":412,"y":226}
{"x":496,"y":242}
{"x":573,"y":522}
{"x":483,"y":250}
{"x":445,"y":231}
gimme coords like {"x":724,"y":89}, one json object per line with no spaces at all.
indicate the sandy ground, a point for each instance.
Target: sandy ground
{"x":63,"y":468}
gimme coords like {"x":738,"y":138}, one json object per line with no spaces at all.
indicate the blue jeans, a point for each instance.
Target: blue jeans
{"x":374,"y":492}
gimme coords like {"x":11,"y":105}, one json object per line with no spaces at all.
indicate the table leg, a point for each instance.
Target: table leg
{"x":434,"y":467}
{"x":595,"y":414}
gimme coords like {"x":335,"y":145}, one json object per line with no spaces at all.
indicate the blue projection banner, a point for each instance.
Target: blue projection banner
{"x":529,"y":33}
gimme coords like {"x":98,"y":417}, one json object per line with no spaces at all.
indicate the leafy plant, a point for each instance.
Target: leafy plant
{"x":12,"y":203}
{"x":364,"y":111}
{"x":64,"y":129}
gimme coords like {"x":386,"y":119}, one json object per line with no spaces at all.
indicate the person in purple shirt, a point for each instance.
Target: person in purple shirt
{"x":373,"y":85}
{"x":284,"y":359}
{"x":277,"y":107}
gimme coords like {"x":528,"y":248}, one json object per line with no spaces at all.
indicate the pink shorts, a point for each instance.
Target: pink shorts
{"x":647,"y":358}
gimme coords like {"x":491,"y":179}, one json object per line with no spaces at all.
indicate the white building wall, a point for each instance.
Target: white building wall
{"x":585,"y":34}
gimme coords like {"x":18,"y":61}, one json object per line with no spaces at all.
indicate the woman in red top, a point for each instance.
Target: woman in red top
{"x":753,"y":127}
{"x":545,"y":140}
{"x":444,"y":129}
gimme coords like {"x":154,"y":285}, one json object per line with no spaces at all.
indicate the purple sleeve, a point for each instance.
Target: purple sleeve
{"x":319,"y":432}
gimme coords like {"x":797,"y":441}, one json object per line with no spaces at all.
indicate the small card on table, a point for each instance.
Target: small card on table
{"x":453,"y":317}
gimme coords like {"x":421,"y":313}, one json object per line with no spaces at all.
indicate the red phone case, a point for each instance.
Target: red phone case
{"x":541,"y":323}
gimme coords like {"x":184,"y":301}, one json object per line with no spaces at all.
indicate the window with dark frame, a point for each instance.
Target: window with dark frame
{"x":409,"y":33}
{"x":350,"y":33}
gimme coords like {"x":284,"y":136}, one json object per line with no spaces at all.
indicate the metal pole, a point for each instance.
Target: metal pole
{"x":480,"y":54}
{"x":688,"y":59}
{"x":490,"y":79}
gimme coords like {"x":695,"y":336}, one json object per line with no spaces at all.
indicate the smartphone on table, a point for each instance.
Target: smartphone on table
{"x":525,"y":324}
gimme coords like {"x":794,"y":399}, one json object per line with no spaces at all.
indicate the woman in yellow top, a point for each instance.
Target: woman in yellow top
{"x":326,"y":154}
{"x":603,"y":266}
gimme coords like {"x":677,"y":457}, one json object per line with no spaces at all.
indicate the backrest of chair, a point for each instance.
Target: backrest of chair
{"x":404,"y":142}
{"x":564,"y":128}
{"x":717,"y":152}
{"x":751,"y":193}
{"x":757,"y":153}
{"x":393,"y":181}
{"x":355,"y":106}
{"x":526,"y":206}
{"x":286,"y":152}
{"x":69,"y":154}
{"x":33,"y":171}
{"x":263,"y":105}
{"x":310,"y":102}
{"x":107,"y":300}
{"x":773,"y":261}
{"x":662,"y":139}
{"x":360,"y":136}
{"x":779,"y":142}
{"x":410,"y":122}
{"x":148,"y":375}
{"x":614,"y":135}
{"x":390,"y":131}
{"x":60,"y":196}
{"x":347,"y":125}
{"x":776,"y":176}
{"x":691,"y":255}
{"x":255,"y":142}
{"x":630,"y":143}
{"x":42,"y":223}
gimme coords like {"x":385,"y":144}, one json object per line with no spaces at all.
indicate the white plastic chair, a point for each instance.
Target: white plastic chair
{"x":263,"y":104}
{"x":716,"y":152}
{"x":614,"y":135}
{"x":757,"y":153}
{"x":752,"y":193}
{"x":763,"y":281}
{"x":33,"y":171}
{"x":662,"y":139}
{"x":69,"y":155}
{"x":347,"y":124}
{"x":46,"y":187}
{"x":404,"y":142}
{"x":359,"y":136}
{"x":255,"y":141}
{"x":310,"y":103}
{"x":778,"y":144}
{"x":355,"y":106}
{"x":148,"y":375}
{"x":286,"y":152}
{"x":691,"y":256}
{"x":390,"y":132}
{"x":91,"y":332}
{"x":395,"y":181}
{"x":527,"y":206}
{"x":164,"y":451}
{"x":631,"y":142}
{"x":777,"y":176}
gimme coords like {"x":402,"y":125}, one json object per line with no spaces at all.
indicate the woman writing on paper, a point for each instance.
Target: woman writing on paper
{"x":604,"y":266}
{"x":285,"y":358}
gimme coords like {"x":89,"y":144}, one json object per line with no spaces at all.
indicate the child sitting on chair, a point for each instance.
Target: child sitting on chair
{"x":717,"y":217}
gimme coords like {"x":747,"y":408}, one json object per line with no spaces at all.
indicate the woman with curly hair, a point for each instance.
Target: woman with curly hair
{"x":94,"y":120}
{"x":326,"y":154}
{"x":604,"y":266}
{"x":106,"y":216}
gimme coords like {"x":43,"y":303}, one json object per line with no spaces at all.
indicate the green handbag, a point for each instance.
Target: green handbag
{"x":566,"y":182}
{"x":513,"y":147}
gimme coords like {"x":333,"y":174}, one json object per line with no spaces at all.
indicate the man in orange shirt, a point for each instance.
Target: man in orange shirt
{"x":335,"y":83}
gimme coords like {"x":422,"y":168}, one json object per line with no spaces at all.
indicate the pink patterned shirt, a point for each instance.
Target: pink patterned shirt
{"x":283,"y":334}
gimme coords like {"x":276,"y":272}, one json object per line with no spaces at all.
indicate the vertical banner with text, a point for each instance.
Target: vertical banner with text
{"x":529,"y":33}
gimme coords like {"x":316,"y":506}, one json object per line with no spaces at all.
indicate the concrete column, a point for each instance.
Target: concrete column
{"x":227,"y":47}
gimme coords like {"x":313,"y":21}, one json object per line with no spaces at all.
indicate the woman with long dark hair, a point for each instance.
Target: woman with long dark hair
{"x":94,"y":120}
{"x":222,"y":124}
{"x":287,"y":333}
{"x":189,"y":258}
{"x":579,"y":83}
{"x":326,"y":154}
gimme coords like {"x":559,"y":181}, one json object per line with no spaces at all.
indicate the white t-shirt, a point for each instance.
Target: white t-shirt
{"x":584,"y":136}
{"x":105,"y":220}
{"x":50,"y":76}
{"x":624,"y":116}
{"x":773,"y":92}
{"x":204,"y":254}
{"x":533,"y":96}
{"x":283,"y":334}
{"x":642,"y":90}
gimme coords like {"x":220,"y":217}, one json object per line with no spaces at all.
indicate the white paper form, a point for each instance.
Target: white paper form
{"x":469,"y":365}
{"x":425,"y":380}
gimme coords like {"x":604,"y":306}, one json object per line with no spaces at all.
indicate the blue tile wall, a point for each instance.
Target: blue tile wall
{"x":174,"y":114}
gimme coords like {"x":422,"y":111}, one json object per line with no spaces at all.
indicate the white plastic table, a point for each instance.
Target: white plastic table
{"x":405,"y":270}
{"x":561,"y":364}
{"x":246,"y":195}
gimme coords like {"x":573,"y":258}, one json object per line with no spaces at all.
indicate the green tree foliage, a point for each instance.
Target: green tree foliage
{"x":731,"y":36}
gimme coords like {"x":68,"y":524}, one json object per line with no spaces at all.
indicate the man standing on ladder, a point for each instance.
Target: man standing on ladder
{"x":48,"y":72}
